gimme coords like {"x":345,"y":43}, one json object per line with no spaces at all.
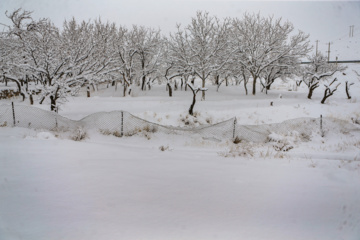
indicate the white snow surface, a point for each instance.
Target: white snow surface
{"x":105,"y":187}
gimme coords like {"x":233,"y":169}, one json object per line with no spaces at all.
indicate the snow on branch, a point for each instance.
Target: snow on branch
{"x":329,"y":91}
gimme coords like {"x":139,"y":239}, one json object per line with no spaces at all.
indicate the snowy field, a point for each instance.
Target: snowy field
{"x":105,"y":187}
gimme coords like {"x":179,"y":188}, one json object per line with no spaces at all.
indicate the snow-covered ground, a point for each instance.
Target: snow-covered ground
{"x":183,"y":187}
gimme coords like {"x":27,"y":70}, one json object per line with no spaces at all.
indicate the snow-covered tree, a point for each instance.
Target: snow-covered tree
{"x":11,"y":51}
{"x":285,"y":67}
{"x":318,"y":69}
{"x":329,"y":90}
{"x":137,"y":53}
{"x":198,"y":47}
{"x":125,"y":51}
{"x":195,"y":91}
{"x":61,"y":62}
{"x":263,"y":42}
{"x":9,"y":63}
{"x":148,"y":43}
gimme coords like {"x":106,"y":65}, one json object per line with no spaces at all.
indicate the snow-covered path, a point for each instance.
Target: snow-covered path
{"x":110,"y":188}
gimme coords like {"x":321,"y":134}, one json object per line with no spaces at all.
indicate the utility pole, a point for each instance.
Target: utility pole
{"x":317,"y":41}
{"x":329,"y":52}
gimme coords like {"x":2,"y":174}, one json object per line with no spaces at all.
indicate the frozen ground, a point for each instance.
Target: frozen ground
{"x":111,"y":188}
{"x":106,"y":187}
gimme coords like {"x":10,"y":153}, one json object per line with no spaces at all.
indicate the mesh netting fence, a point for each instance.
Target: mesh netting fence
{"x":122,"y":123}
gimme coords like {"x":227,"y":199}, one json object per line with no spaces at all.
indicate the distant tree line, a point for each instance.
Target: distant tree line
{"x":40,"y":58}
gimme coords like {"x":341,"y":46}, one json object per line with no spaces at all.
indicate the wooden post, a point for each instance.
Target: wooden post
{"x":122,"y":124}
{"x":321,"y":127}
{"x":234,"y":128}
{"x":13,"y":110}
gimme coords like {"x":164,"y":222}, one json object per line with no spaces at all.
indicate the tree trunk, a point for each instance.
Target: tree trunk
{"x":203,"y":92}
{"x":88,"y":91}
{"x":143,"y":87}
{"x":217,"y":79}
{"x":254,"y":85}
{"x":347,"y":86}
{"x":269,"y":85}
{"x":245,"y":82}
{"x":170,"y":89}
{"x":311,"y":90}
{"x":31,"y":99}
{"x":326,"y":95}
{"x":125,"y":88}
{"x":246,"y":90}
{"x":53,"y":103}
{"x":192,"y":104}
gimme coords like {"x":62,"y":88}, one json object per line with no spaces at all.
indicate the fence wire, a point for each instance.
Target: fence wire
{"x":122,"y":123}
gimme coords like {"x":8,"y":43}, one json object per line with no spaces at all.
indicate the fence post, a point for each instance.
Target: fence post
{"x":13,"y":111}
{"x":321,"y":126}
{"x":122,"y":124}
{"x":234,"y":128}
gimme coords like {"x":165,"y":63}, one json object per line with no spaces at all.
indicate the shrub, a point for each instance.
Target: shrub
{"x":79,"y":134}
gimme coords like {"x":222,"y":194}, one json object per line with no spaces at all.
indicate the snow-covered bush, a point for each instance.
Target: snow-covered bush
{"x":164,"y":148}
{"x":108,"y":132}
{"x":284,"y":143}
{"x":239,"y":150}
{"x":79,"y":134}
{"x":237,"y":140}
{"x":355,"y":118}
{"x":195,"y":120}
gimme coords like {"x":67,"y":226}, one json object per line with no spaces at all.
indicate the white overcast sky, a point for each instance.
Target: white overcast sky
{"x":323,"y":20}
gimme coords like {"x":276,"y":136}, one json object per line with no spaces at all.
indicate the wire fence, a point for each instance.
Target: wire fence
{"x":122,"y":123}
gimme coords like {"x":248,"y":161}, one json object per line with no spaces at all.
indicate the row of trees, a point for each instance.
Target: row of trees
{"x":60,"y":62}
